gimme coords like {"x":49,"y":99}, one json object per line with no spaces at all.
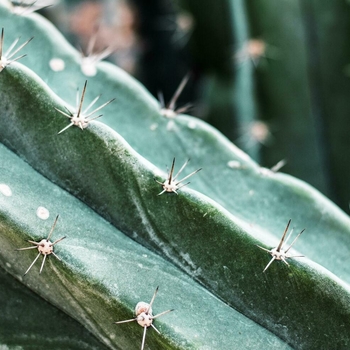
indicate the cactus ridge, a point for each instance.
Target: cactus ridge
{"x":205,"y":237}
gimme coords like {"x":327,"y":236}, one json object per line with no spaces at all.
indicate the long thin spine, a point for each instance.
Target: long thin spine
{"x":65,"y":128}
{"x":184,"y":108}
{"x":143,"y":337}
{"x":178,"y":92}
{"x":278,"y":165}
{"x":1,"y":42}
{"x":56,"y":256}
{"x":43,"y":263}
{"x":289,"y":235}
{"x":52,"y":228}
{"x":283,"y":237}
{"x":77,"y":99}
{"x":162,"y":313}
{"x":20,"y":48}
{"x":27,"y":248}
{"x":93,"y":118}
{"x":284,"y":260}
{"x":58,"y":240}
{"x":266,"y":250}
{"x":161,"y":99}
{"x":152,"y":300}
{"x":82,"y":99}
{"x":182,"y":168}
{"x":153,"y":326}
{"x":171,"y":172}
{"x":271,"y":261}
{"x":64,"y":113}
{"x":17,"y":58}
{"x":183,"y":185}
{"x":186,"y":177}
{"x":98,"y":108}
{"x":91,"y":44}
{"x":31,"y":265}
{"x":11,"y":47}
{"x":36,"y":243}
{"x":295,"y":239}
{"x":132,"y":319}
{"x":103,"y":54}
{"x":91,"y":104}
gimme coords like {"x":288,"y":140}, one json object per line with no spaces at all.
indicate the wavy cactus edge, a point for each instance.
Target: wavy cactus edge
{"x":106,"y":138}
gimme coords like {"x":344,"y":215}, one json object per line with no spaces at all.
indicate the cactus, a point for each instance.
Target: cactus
{"x":198,"y":245}
{"x":103,"y":274}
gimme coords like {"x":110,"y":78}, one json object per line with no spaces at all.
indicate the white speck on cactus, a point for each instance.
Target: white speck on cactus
{"x":88,"y":66}
{"x":153,"y":126}
{"x":57,"y":64}
{"x":5,"y":190}
{"x":42,"y":213}
{"x":192,"y":124}
{"x":168,"y":113}
{"x":234,"y":164}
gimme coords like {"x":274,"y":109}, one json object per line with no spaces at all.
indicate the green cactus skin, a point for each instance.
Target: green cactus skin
{"x":253,"y":194}
{"x":103,"y":274}
{"x":249,"y":192}
{"x":28,"y":322}
{"x":192,"y":231}
{"x":262,"y":202}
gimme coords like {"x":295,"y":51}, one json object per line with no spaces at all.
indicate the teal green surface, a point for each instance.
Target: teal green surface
{"x":192,"y":231}
{"x":29,"y":322}
{"x":210,"y":234}
{"x":253,"y":194}
{"x":103,"y":274}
